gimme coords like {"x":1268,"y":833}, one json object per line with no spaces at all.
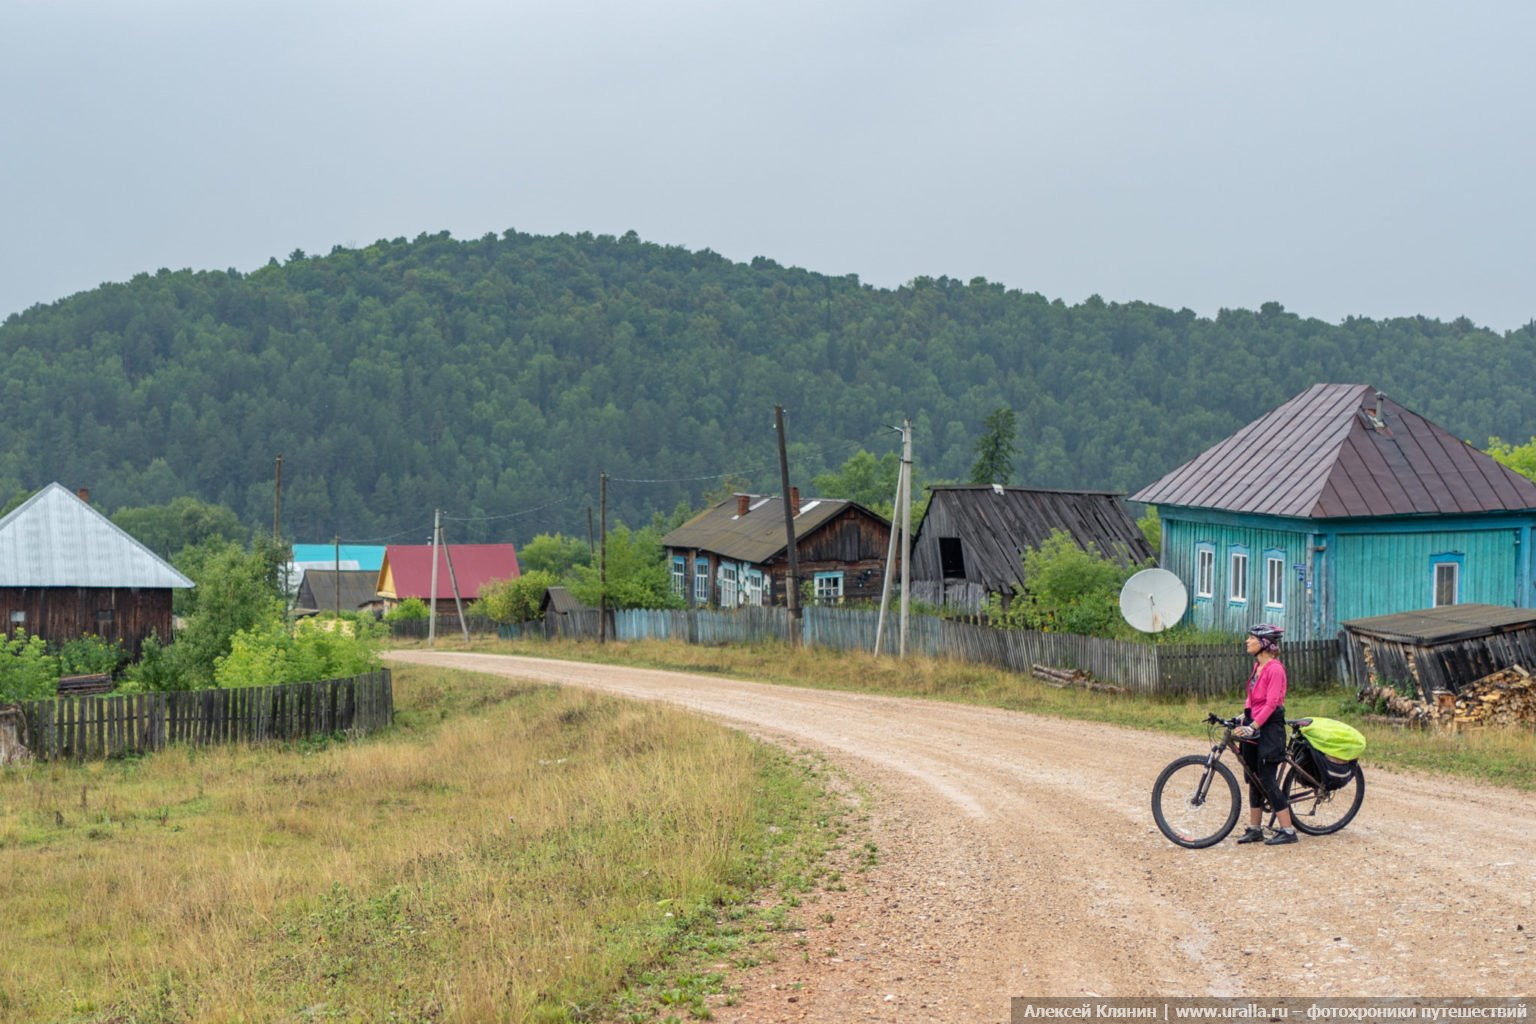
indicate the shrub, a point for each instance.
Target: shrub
{"x":1068,"y":590}
{"x":89,"y":655}
{"x":28,"y":671}
{"x":516,"y":600}
{"x":315,"y":649}
{"x":409,"y":609}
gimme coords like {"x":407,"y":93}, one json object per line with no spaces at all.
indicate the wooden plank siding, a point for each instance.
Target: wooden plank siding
{"x":127,"y":615}
{"x":82,"y":728}
{"x":1488,"y":571}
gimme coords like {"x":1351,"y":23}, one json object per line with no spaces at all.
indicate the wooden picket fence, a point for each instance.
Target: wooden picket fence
{"x":1153,"y":669}
{"x":116,"y":726}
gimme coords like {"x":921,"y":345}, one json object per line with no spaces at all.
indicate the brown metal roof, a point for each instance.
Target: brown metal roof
{"x":757,"y":536}
{"x":1444,"y":624}
{"x":1322,"y":456}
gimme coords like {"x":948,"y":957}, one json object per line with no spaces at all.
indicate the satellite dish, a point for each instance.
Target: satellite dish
{"x":1153,"y":600}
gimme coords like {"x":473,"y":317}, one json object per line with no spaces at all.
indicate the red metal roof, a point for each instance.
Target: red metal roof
{"x":409,"y":567}
{"x":1343,"y":451}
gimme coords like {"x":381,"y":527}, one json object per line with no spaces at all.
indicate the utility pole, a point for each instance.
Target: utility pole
{"x":792,"y":581}
{"x":906,"y":530}
{"x":277,"y":505}
{"x":602,"y":561}
{"x":336,"y":575}
{"x":890,"y":567}
{"x":453,"y":581}
{"x":437,"y":532}
{"x":901,"y":520}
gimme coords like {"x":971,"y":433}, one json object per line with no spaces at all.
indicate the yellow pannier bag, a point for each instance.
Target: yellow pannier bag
{"x":1338,"y":740}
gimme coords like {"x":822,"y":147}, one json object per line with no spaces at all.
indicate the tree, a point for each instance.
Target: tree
{"x":516,"y":600}
{"x":1520,"y":458}
{"x":553,"y":553}
{"x":183,"y":522}
{"x":865,"y":479}
{"x":994,"y":452}
{"x":236,"y":590}
{"x":637,"y":573}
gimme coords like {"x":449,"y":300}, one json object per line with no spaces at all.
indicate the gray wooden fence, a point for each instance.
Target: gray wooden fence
{"x":1194,"y":669}
{"x":137,"y":723}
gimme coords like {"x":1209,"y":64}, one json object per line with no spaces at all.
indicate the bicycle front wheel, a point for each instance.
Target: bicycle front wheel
{"x":1319,"y":811}
{"x":1196,"y":804}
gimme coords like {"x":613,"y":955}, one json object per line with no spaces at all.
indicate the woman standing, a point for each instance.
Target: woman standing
{"x":1264,"y":719}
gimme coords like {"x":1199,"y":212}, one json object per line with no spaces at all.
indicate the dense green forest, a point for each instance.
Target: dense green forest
{"x":496,"y":378}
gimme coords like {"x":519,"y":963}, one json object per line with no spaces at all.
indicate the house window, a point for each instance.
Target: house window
{"x":829,"y":587}
{"x":679,"y":574}
{"x":754,"y":587}
{"x":104,"y":616}
{"x":729,"y":594}
{"x":1447,"y":579}
{"x":1205,"y":571}
{"x":1274,"y":580}
{"x":18,"y":618}
{"x":700,"y":580}
{"x":1237,"y":563}
{"x":951,"y":558}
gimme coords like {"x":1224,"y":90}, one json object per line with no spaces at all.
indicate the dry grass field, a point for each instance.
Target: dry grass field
{"x":507,"y":853}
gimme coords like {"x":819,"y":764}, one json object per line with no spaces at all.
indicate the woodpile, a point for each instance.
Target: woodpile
{"x":1507,"y":697}
{"x":1503,"y":698}
{"x":1062,"y":678}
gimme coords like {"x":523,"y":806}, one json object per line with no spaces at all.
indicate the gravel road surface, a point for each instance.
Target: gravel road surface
{"x":1018,"y":857}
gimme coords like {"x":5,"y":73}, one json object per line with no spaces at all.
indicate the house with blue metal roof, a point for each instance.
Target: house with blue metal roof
{"x":1343,"y":504}
{"x":66,"y":571}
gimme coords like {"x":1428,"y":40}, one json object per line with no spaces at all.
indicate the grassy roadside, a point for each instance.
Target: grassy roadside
{"x":1502,"y":757}
{"x":508,"y":853}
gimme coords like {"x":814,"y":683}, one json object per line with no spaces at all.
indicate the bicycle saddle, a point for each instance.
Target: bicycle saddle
{"x":1300,"y":723}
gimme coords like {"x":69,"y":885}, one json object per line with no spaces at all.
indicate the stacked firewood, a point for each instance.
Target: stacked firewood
{"x":1506,"y":697}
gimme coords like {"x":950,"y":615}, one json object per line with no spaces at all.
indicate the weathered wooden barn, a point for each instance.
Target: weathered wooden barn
{"x":67,"y":571}
{"x":971,"y":542}
{"x":1446,"y":648}
{"x":1342,"y":504}
{"x":326,"y":590}
{"x":737,"y":552}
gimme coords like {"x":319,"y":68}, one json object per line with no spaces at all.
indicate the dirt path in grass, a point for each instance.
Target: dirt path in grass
{"x":1018,"y":857}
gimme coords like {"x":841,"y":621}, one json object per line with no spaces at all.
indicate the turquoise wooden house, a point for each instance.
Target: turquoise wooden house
{"x":1342,"y":504}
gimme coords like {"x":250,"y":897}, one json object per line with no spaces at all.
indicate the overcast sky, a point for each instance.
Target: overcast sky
{"x":1343,"y":158}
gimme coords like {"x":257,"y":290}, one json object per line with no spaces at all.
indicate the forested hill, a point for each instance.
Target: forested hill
{"x":502,"y":375}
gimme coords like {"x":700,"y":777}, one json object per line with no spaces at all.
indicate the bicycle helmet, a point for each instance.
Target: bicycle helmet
{"x":1267,"y":635}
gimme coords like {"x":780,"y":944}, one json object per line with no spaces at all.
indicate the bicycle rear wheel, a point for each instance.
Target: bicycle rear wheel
{"x":1194,"y":804}
{"x":1319,"y":811}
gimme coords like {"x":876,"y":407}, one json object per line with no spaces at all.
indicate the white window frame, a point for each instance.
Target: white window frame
{"x":700,"y":580}
{"x":1205,"y":571}
{"x":1454,"y":565}
{"x":1237,"y":573}
{"x":1274,"y":581}
{"x":754,"y":587}
{"x":679,"y":575}
{"x":829,"y":588}
{"x":730,"y":586}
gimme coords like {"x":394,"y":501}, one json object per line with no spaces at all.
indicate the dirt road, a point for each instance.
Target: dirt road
{"x":1019,"y":858}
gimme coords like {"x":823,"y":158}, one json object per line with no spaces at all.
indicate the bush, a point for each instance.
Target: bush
{"x":1068,"y":590}
{"x":314,"y":649}
{"x":153,"y":671}
{"x":516,"y":600}
{"x":28,"y":671}
{"x":410,"y":609}
{"x":89,"y":655}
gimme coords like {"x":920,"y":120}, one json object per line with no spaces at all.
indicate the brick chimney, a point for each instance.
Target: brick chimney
{"x":794,"y":499}
{"x":84,"y":494}
{"x":743,"y":504}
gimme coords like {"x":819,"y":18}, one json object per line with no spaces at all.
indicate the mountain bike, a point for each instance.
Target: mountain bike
{"x":1196,"y":800}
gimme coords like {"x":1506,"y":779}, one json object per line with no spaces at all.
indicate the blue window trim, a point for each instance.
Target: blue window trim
{"x":1274,"y":555}
{"x":701,"y":575}
{"x":1205,"y":547}
{"x":816,"y":588}
{"x":1232,"y":551}
{"x":1446,"y":558}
